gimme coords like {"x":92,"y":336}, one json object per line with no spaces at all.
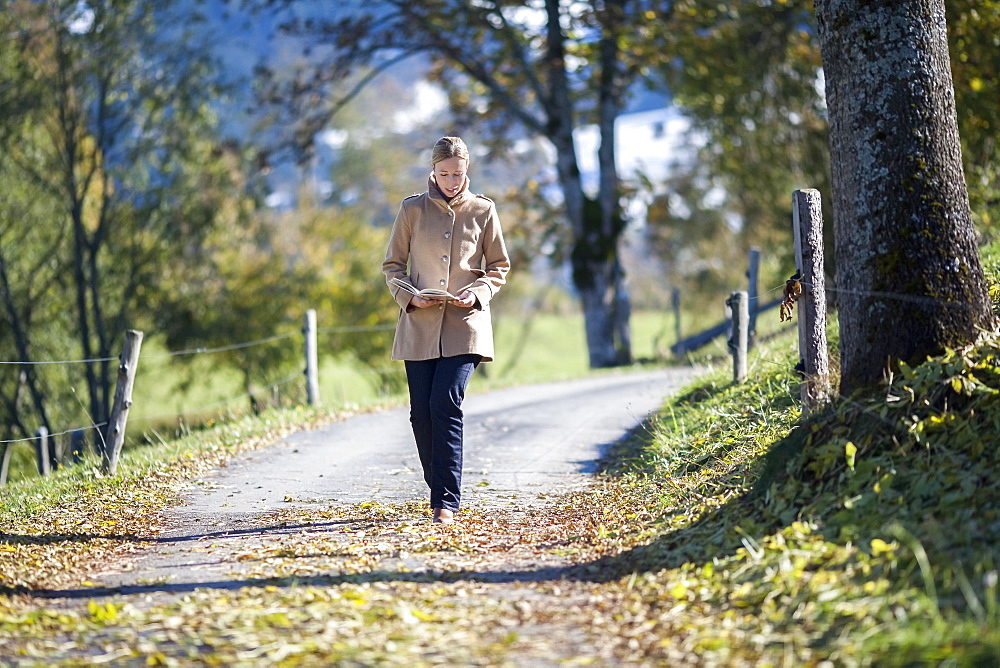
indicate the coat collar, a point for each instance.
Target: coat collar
{"x":435,"y":192}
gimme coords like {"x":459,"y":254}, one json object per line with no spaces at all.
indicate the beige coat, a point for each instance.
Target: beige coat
{"x":451,"y":246}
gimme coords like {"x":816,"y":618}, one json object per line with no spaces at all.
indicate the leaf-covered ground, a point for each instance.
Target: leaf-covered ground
{"x":730,"y":532}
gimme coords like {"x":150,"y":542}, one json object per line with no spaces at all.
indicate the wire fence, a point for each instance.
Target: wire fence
{"x":883,"y":295}
{"x":270,"y":387}
{"x":61,"y":433}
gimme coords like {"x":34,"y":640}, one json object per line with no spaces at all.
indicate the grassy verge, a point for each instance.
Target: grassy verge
{"x":865,"y":535}
{"x":53,"y":529}
{"x":57,"y":527}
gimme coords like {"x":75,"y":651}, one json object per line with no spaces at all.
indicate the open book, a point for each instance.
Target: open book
{"x":426,"y":293}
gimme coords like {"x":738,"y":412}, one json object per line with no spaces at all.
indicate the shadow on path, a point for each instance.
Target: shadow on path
{"x":52,"y":539}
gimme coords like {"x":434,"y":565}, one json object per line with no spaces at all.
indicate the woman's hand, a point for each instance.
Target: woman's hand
{"x":420,"y":302}
{"x":466,"y":299}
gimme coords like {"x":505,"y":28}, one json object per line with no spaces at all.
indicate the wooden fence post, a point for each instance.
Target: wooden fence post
{"x":8,"y":450}
{"x":312,"y":372}
{"x":42,"y":451}
{"x":737,"y":302}
{"x":753,"y":272}
{"x":807,"y":215}
{"x":675,"y":301}
{"x":122,"y":402}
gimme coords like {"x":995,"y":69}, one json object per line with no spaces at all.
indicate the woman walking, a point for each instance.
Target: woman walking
{"x":447,"y":240}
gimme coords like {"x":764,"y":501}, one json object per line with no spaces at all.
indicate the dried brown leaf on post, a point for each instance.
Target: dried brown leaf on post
{"x":791,"y":294}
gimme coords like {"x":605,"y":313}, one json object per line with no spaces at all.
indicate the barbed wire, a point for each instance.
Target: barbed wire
{"x":195,"y":351}
{"x":86,"y":361}
{"x":881,"y":294}
{"x":358,"y":328}
{"x":216,"y":404}
{"x":886,"y":295}
{"x":222,"y":349}
{"x":389,"y":326}
{"x":895,"y":296}
{"x":205,"y":350}
{"x":244,"y":395}
{"x":61,"y":433}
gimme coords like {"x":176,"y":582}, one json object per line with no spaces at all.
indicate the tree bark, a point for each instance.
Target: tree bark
{"x":610,"y":94}
{"x":83,"y":316}
{"x":77,"y":178}
{"x":594,"y":257}
{"x":908,"y":270}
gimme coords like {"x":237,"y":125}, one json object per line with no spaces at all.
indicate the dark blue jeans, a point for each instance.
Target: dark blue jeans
{"x":437,"y":388}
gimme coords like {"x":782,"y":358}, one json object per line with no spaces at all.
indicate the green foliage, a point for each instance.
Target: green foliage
{"x":117,"y":178}
{"x":749,"y":74}
{"x":973,"y":29}
{"x":863,"y":534}
{"x":255,"y":285}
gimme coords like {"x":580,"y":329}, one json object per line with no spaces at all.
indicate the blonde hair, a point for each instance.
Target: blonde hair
{"x":449,"y":147}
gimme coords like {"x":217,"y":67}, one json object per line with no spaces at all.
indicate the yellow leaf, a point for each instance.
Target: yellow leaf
{"x":423,"y":616}
{"x":879,"y":546}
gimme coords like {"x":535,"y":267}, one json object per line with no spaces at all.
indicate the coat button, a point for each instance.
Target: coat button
{"x":440,"y":306}
{"x":441,"y":282}
{"x":447,"y":235}
{"x":444,"y":258}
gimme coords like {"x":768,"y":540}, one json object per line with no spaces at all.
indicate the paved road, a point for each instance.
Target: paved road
{"x":519,"y":443}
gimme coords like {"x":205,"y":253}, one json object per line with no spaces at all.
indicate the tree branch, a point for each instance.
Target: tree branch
{"x":477,"y":71}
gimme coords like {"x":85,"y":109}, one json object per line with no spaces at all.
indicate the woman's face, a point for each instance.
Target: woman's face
{"x":450,"y":175}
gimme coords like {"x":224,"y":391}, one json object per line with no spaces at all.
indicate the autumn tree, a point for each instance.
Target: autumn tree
{"x":107,"y":131}
{"x":253,"y":285}
{"x":540,"y":68}
{"x":746,"y":74}
{"x":28,"y":279}
{"x":908,"y":269}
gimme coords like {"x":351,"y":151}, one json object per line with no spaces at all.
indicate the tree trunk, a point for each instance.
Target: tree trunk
{"x":100,"y":330}
{"x":595,"y":267}
{"x":559,"y":113}
{"x":908,"y":269}
{"x":610,"y":92}
{"x":83,"y":315}
{"x":21,"y":343}
{"x":80,"y":165}
{"x":594,"y":256}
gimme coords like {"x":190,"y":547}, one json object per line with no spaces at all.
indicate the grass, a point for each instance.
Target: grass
{"x":524,"y":353}
{"x":864,"y":535}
